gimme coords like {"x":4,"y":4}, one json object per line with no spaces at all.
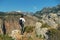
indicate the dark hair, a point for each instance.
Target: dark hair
{"x":22,"y":15}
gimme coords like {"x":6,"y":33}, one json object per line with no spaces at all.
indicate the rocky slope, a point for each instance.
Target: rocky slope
{"x":47,"y":10}
{"x":51,"y":17}
{"x":12,"y":20}
{"x":44,"y":25}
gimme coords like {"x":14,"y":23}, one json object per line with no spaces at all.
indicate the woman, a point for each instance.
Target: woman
{"x":21,"y":22}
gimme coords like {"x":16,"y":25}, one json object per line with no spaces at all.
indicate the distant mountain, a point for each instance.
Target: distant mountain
{"x":50,"y":15}
{"x":48,"y":10}
{"x":15,"y":13}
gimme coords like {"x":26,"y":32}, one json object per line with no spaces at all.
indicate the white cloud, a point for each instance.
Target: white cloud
{"x":18,"y":11}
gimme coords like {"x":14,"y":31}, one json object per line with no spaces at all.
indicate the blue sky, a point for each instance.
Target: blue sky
{"x":26,"y":5}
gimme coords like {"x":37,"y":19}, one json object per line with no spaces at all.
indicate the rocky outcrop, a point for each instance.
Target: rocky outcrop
{"x":51,"y":20}
{"x":16,"y":35}
{"x":41,"y":32}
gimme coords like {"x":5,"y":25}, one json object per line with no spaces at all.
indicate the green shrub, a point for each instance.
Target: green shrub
{"x":5,"y":37}
{"x":29,"y":29}
{"x":45,"y":25}
{"x":40,"y":36}
{"x":58,"y":26}
{"x":54,"y":34}
{"x":30,"y":38}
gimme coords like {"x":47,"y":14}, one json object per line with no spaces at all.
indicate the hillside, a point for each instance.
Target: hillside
{"x":48,"y":10}
{"x":43,"y":25}
{"x":12,"y":20}
{"x":51,"y":17}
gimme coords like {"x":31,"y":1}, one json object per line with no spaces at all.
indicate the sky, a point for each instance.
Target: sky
{"x":26,"y":5}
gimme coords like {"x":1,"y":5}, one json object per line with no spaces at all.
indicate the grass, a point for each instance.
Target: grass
{"x":45,"y":25}
{"x":29,"y":29}
{"x":5,"y":37}
{"x":58,"y":26}
{"x":54,"y":34}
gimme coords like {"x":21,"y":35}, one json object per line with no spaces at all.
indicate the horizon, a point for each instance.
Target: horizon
{"x":26,"y":5}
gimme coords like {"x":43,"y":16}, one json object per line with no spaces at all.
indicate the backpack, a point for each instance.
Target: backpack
{"x":20,"y":22}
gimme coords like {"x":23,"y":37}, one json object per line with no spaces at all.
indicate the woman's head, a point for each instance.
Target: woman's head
{"x":22,"y":15}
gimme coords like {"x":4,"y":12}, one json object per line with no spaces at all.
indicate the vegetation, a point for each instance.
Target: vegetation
{"x":12,"y":23}
{"x":54,"y":34}
{"x":5,"y":37}
{"x":45,"y":25}
{"x":58,"y":26}
{"x":29,"y":29}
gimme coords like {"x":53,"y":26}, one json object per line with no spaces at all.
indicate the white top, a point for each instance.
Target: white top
{"x":22,"y":19}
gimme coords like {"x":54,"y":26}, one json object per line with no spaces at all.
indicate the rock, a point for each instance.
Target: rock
{"x":51,"y":19}
{"x":41,"y":31}
{"x":16,"y":34}
{"x":52,"y":23}
{"x":37,"y":28}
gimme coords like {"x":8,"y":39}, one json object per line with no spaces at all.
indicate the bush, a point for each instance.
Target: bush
{"x":45,"y":25}
{"x":5,"y":37}
{"x":58,"y":26}
{"x":54,"y":34}
{"x":29,"y":29}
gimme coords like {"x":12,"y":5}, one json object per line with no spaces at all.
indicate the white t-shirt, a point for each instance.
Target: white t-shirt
{"x":22,"y":19}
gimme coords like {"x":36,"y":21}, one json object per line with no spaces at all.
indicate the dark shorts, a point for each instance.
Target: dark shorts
{"x":22,"y":28}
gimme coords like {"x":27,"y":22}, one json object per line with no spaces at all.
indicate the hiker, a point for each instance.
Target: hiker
{"x":21,"y":22}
